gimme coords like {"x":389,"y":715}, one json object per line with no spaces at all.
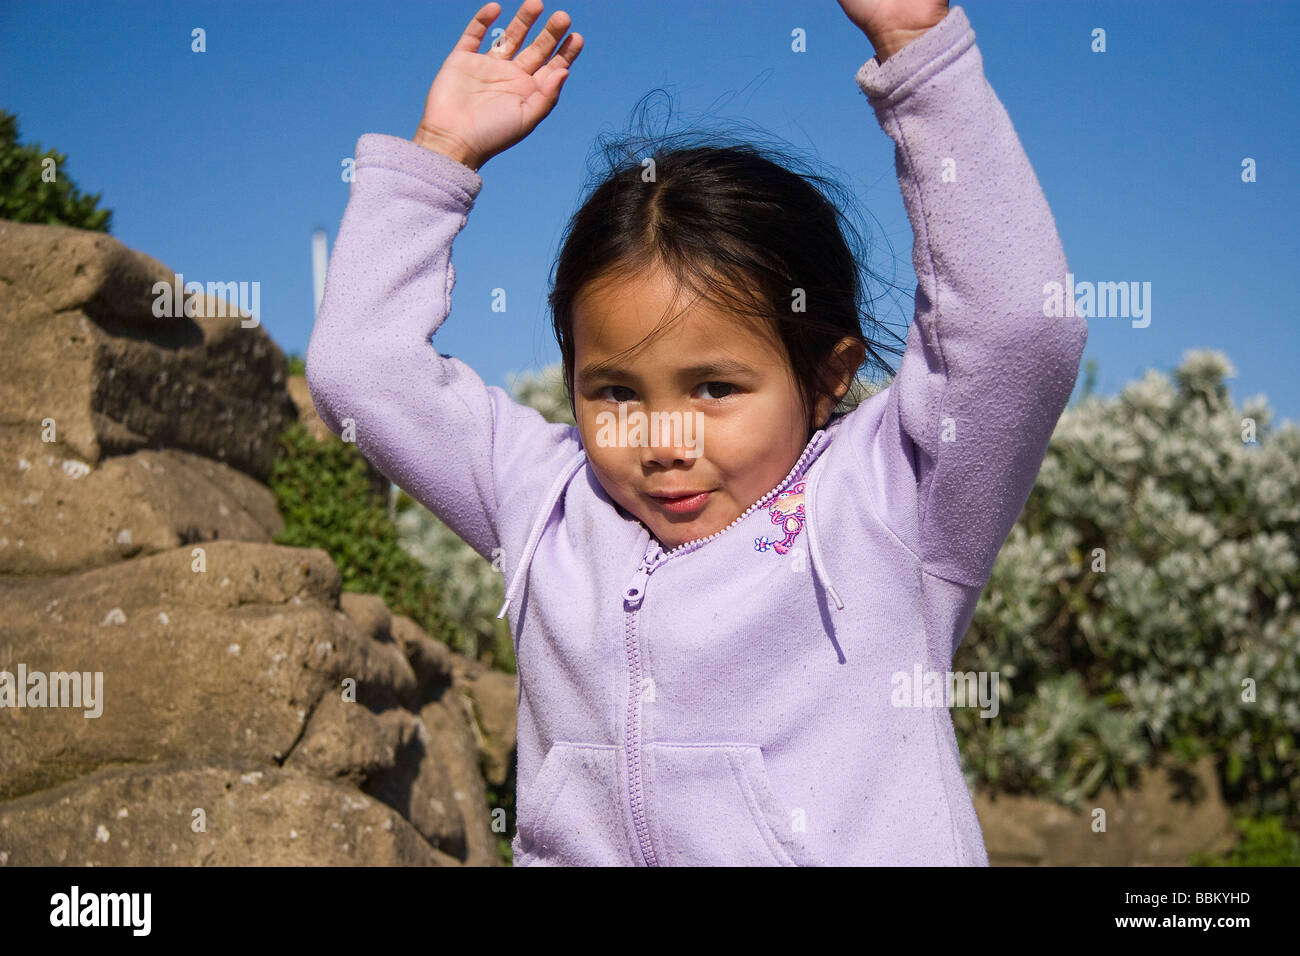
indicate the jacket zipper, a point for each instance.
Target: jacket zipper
{"x":633,"y":722}
{"x":655,"y":557}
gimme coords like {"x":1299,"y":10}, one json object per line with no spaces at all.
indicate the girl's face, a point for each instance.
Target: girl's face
{"x":738,"y":427}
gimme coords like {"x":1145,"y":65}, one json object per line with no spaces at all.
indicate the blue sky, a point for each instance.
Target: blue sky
{"x":221,"y":164}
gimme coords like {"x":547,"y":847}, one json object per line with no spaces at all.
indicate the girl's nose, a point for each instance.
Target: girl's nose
{"x":673,"y":437}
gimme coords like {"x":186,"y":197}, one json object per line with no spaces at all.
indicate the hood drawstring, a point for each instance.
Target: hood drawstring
{"x":539,"y":524}
{"x":814,"y":549}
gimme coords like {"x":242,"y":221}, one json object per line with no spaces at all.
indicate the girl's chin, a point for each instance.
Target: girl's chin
{"x":672,"y":533}
{"x":675,"y":535}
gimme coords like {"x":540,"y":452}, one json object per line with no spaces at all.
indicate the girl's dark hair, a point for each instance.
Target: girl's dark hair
{"x":740,"y":229}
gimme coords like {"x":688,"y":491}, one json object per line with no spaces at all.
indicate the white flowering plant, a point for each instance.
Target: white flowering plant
{"x":1144,"y":600}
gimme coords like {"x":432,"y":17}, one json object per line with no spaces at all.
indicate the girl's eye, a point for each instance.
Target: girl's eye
{"x":723,"y":385}
{"x":619,"y":401}
{"x":706,"y":385}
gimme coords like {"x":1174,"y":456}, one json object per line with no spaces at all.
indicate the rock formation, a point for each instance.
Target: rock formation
{"x":135,"y":543}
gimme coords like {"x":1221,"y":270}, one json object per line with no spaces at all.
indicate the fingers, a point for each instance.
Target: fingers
{"x":535,"y":55}
{"x":530,"y":59}
{"x":472,"y":38}
{"x":562,"y":60}
{"x":536,"y":58}
{"x":506,"y":44}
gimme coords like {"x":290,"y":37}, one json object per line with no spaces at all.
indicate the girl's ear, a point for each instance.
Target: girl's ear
{"x":845,"y":360}
{"x":849,"y":354}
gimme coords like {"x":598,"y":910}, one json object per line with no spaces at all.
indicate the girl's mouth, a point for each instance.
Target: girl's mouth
{"x":684,"y":505}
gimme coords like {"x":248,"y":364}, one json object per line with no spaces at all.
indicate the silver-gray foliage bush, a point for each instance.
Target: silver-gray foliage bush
{"x":1144,"y":600}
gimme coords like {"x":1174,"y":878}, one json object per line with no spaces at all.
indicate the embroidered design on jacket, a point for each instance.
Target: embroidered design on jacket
{"x":787,"y":512}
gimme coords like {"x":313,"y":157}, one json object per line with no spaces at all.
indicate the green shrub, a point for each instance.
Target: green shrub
{"x":327,"y":500}
{"x":1265,"y":841}
{"x":33,"y":190}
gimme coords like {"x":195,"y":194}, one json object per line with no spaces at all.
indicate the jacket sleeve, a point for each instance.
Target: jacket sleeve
{"x":986,"y":373}
{"x":465,"y":450}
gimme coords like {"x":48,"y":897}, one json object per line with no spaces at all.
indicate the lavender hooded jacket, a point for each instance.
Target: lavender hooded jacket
{"x":732,"y":701}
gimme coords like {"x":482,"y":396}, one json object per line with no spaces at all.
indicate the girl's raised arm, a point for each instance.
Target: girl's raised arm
{"x":987,"y":370}
{"x":465,"y":450}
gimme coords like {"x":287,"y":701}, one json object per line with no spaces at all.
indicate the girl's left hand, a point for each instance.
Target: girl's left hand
{"x":892,"y":24}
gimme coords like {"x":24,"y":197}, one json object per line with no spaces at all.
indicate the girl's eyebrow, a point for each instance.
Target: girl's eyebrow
{"x":718,"y":366}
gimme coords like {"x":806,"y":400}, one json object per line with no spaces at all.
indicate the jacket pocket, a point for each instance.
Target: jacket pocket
{"x":572,"y":815}
{"x":712,"y":805}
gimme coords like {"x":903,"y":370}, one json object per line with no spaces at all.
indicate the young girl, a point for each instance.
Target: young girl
{"x":721,"y":643}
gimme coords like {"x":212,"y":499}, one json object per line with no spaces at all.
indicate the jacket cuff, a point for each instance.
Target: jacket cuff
{"x":381,"y":151}
{"x":889,"y":82}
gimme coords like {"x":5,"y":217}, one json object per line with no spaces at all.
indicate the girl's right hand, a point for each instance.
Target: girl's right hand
{"x":481,"y":104}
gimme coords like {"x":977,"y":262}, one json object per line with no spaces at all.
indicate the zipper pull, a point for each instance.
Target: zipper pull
{"x":635,"y":592}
